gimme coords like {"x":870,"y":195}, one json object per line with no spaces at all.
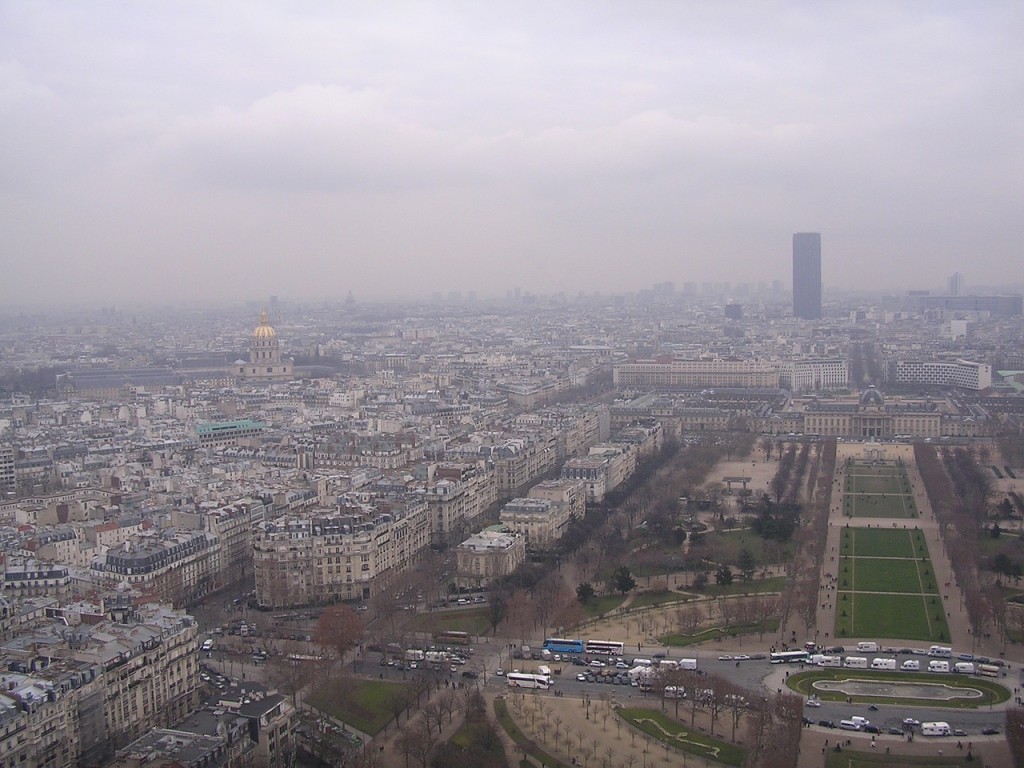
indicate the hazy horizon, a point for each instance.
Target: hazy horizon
{"x":178,"y":152}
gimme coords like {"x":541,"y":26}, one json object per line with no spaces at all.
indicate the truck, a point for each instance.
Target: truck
{"x":935,"y":729}
{"x":883,"y":663}
{"x":687,"y":664}
{"x":413,"y":654}
{"x":856,"y":662}
{"x":867,"y":647}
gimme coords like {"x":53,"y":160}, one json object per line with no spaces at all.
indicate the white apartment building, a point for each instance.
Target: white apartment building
{"x":487,"y":556}
{"x":815,"y":375}
{"x":960,"y":373}
{"x":540,"y":522}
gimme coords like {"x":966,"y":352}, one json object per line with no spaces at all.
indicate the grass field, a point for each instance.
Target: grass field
{"x":363,"y":704}
{"x":672,"y":732}
{"x":887,"y":587}
{"x":472,"y":620}
{"x":875,"y":574}
{"x":878,"y":492}
{"x":883,"y":542}
{"x":906,"y":617}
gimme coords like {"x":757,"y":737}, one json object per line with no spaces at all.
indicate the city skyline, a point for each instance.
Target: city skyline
{"x":171,"y":154}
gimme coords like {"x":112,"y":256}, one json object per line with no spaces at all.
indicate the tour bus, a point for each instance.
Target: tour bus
{"x":911,"y":665}
{"x":935,"y":729}
{"x":790,"y":657}
{"x":563,"y":645}
{"x":940,"y":651}
{"x":856,"y":662}
{"x":605,"y":647}
{"x":988,"y":670}
{"x":526,"y":680}
{"x":938,"y":666}
{"x":883,"y":663}
{"x":964,"y":668}
{"x":867,"y":647}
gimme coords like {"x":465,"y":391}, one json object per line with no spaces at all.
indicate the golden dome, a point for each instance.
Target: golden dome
{"x":264,"y":331}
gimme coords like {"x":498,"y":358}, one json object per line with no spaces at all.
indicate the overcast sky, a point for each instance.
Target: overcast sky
{"x":240,"y":149}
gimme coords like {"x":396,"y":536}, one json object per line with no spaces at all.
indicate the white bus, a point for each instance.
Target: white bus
{"x":790,"y":657}
{"x":605,"y":647}
{"x":525,"y":680}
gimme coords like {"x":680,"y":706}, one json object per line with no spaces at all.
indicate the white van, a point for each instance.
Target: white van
{"x":867,"y":647}
{"x":938,"y":666}
{"x":935,"y":729}
{"x":883,"y":663}
{"x":861,"y":721}
{"x":208,"y":644}
{"x":542,"y":670}
{"x":940,"y":651}
{"x":964,"y":667}
{"x":856,"y":662}
{"x":849,"y":725}
{"x":911,"y":665}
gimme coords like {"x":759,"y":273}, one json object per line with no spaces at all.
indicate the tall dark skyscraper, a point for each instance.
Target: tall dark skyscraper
{"x":807,"y":275}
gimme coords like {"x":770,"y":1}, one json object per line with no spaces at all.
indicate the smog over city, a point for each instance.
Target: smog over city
{"x":220,"y":151}
{"x":566,"y":384}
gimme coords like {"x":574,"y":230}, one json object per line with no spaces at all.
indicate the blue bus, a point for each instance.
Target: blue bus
{"x":561,"y":645}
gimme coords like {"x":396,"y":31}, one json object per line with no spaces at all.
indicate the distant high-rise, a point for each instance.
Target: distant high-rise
{"x":807,"y":275}
{"x":956,"y":284}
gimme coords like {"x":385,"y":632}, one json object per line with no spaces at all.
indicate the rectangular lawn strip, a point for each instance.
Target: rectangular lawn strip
{"x":669,"y":731}
{"x":893,"y":505}
{"x":472,"y":620}
{"x":883,"y":542}
{"x":877,"y":574}
{"x":927,"y":577}
{"x":908,"y":617}
{"x":363,"y":704}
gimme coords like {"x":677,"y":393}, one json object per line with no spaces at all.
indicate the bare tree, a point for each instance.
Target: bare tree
{"x":688,"y":619}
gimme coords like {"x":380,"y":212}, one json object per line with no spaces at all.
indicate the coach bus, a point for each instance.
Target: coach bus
{"x":561,"y":645}
{"x":452,"y":637}
{"x":526,"y":680}
{"x":606,"y":647}
{"x":790,"y":657}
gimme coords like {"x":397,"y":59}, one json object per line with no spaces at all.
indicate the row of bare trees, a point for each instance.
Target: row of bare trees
{"x":956,"y":495}
{"x":757,"y":610}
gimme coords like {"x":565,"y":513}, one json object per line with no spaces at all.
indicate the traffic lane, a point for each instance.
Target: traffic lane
{"x":892,"y":716}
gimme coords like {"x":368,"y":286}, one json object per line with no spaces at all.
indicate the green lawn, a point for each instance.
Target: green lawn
{"x":727,"y":545}
{"x":850,"y":758}
{"x":873,"y":574}
{"x":472,"y":620}
{"x":893,"y":505}
{"x":907,"y":617}
{"x":860,"y":483}
{"x":601,"y":604}
{"x":740,"y":587}
{"x":669,"y":731}
{"x":883,"y":542}
{"x":652,"y":599}
{"x":363,"y":704}
{"x":712,"y":633}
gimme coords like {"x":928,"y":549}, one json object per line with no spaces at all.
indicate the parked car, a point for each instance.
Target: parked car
{"x":469,"y":674}
{"x":895,"y":731}
{"x":742,"y":657}
{"x":911,"y":722}
{"x":826,"y":724}
{"x":990,"y":731}
{"x":959,"y":732}
{"x":581,"y":677}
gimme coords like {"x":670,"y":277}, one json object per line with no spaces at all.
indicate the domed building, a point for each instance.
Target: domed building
{"x":265,"y":363}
